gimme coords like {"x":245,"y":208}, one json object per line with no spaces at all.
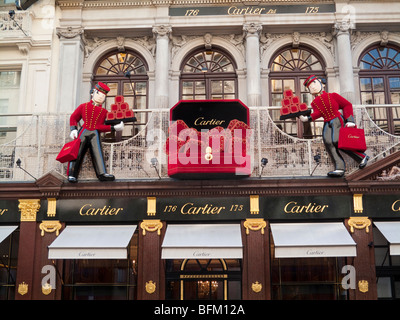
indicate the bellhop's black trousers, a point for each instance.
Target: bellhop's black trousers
{"x":90,"y":139}
{"x":330,"y":135}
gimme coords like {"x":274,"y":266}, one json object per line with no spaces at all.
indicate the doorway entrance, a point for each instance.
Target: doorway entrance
{"x":204,"y":279}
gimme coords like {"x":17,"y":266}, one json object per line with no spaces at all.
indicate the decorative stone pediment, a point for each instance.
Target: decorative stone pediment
{"x":50,"y":184}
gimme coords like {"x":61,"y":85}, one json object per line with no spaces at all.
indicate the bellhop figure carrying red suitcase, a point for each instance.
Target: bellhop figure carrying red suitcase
{"x":327,"y":106}
{"x":93,"y":115}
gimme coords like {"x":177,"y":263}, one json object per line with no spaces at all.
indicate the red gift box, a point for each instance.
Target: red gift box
{"x":303,"y":107}
{"x":288,"y":94}
{"x":286,"y":102}
{"x":352,"y":139}
{"x":69,"y":151}
{"x":124,"y":106}
{"x":284,"y":111}
{"x":129,"y":114}
{"x":294,"y":108}
{"x":119,"y":114}
{"x":114,"y":107}
{"x":119,"y":99}
{"x":110,"y":116}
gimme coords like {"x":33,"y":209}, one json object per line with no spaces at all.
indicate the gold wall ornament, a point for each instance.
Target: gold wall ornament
{"x":29,"y":208}
{"x":46,"y":288}
{"x":151,"y":206}
{"x":50,"y":226}
{"x":254,"y":204}
{"x":256,"y":287}
{"x":363,"y":286}
{"x":151,"y":226}
{"x":150,"y":287}
{"x":255,"y":225}
{"x":359,"y":223}
{"x":51,"y":207}
{"x":358,"y":203}
{"x":23,"y":288}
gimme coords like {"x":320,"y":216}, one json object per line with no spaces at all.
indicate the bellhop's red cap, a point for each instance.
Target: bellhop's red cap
{"x":309,"y":80}
{"x":102,"y":87}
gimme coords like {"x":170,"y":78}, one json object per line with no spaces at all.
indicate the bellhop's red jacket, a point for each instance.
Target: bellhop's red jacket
{"x":93,"y":117}
{"x":327,"y":105}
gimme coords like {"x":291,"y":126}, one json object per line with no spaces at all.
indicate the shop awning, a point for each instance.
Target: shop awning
{"x":202,"y":241}
{"x":92,"y":242}
{"x":391,"y":231}
{"x":312,"y":240}
{"x":5,"y":231}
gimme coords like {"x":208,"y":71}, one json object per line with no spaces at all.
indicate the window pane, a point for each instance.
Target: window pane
{"x":276,"y":86}
{"x":276,"y":99}
{"x":379,"y":98}
{"x":229,"y":87}
{"x":216,"y":87}
{"x":288,"y":84}
{"x":365,"y":84}
{"x":187,"y":87}
{"x":394,"y":84}
{"x":200,"y":87}
{"x":127,"y":89}
{"x":366,"y":98}
{"x":384,"y":287}
{"x":378,"y":84}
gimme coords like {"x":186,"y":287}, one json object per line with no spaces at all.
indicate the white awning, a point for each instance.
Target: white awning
{"x":92,"y":242}
{"x":5,"y":231}
{"x":391,"y":231}
{"x":202,"y":241}
{"x":312,"y":240}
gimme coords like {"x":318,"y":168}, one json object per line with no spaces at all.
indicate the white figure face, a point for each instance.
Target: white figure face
{"x":315,"y":87}
{"x":98,"y":97}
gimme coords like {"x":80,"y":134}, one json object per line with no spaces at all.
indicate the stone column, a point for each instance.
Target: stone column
{"x":346,"y":77}
{"x":70,"y":68}
{"x":161,"y":34}
{"x":252,"y":32}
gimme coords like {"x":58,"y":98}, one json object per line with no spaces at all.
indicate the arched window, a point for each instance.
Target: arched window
{"x":126,"y":74}
{"x":208,"y":74}
{"x":288,"y":69}
{"x":380,"y":84}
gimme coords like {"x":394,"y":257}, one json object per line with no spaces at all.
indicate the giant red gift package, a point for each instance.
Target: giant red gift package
{"x":292,"y":107}
{"x":120,"y":111}
{"x":209,"y":139}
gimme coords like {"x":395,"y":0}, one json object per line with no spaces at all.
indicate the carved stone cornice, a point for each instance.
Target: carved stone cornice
{"x":69,"y":32}
{"x":162,"y":31}
{"x":252,"y":29}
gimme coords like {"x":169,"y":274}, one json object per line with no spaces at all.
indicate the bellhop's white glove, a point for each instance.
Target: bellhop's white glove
{"x":73,"y":134}
{"x":350,"y":124}
{"x":303,"y":118}
{"x":119,"y":126}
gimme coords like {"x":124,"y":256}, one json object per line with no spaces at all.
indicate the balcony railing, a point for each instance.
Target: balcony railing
{"x":17,"y":25}
{"x":40,"y":137}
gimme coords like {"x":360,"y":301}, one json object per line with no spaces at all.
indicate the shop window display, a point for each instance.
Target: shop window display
{"x":113,"y":279}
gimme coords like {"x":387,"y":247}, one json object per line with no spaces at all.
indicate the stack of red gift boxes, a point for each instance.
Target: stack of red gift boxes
{"x":120,"y":111}
{"x":291,"y":106}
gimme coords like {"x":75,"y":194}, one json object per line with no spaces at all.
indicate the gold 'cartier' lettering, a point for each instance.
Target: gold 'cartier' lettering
{"x":88,"y":210}
{"x":214,"y":122}
{"x":190,"y":208}
{"x":233,"y":10}
{"x":396,"y":205}
{"x":293,"y":207}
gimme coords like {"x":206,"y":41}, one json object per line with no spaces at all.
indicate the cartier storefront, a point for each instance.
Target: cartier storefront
{"x":198,"y":240}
